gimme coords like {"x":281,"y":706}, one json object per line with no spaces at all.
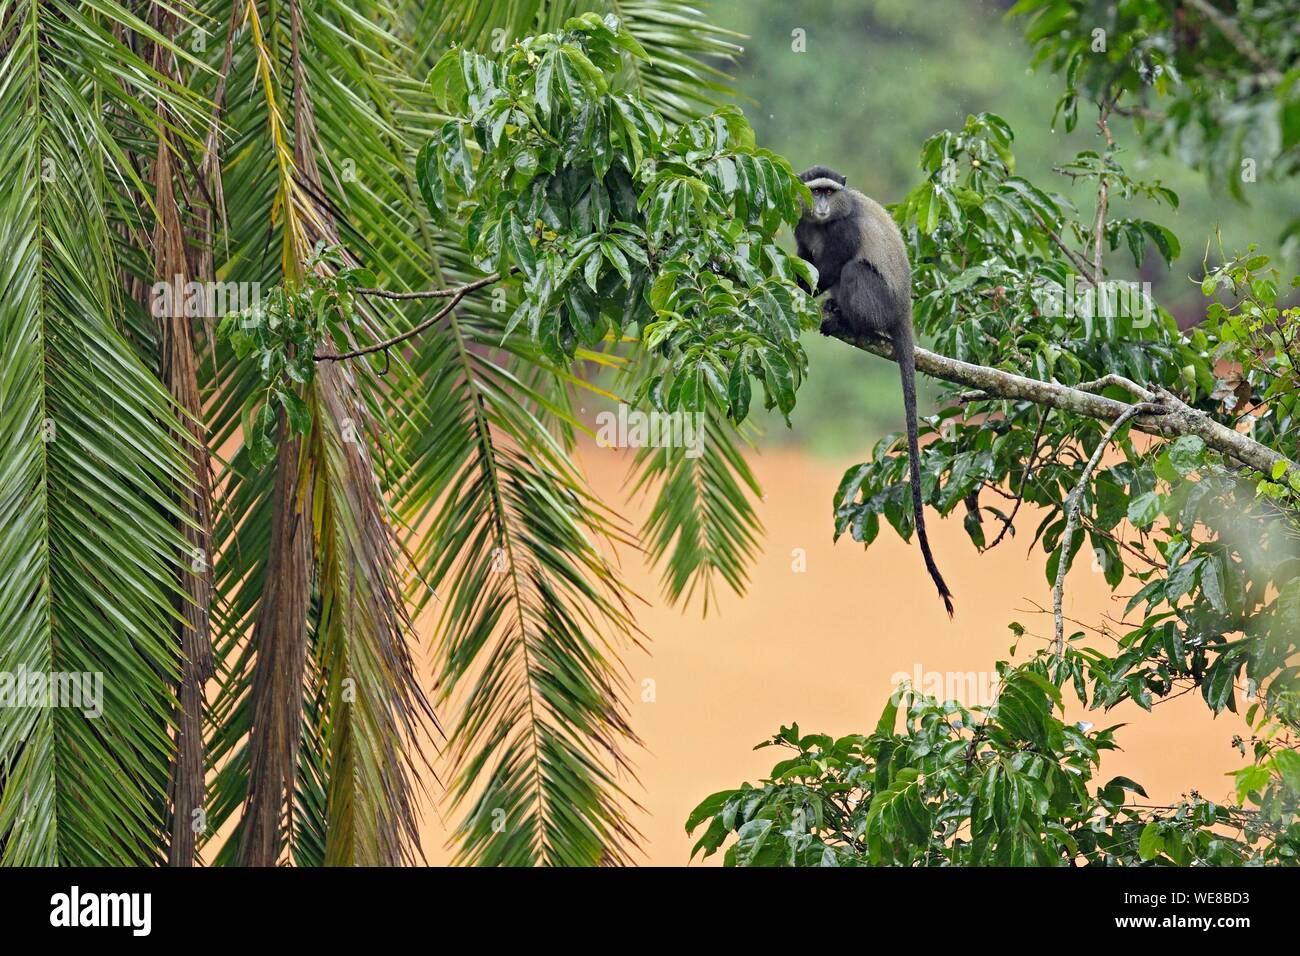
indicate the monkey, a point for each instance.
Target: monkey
{"x":861,"y":261}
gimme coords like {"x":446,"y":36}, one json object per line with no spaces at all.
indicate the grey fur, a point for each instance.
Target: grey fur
{"x":862,"y":262}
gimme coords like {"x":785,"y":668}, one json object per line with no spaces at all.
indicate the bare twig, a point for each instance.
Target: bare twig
{"x":455,"y":294}
{"x":423,"y":293}
{"x":1079,"y":261}
{"x":1103,"y":191}
{"x":1142,"y":111}
{"x":1135,"y":551}
{"x":1072,"y":514}
{"x":1009,"y":520}
{"x":1130,"y":386}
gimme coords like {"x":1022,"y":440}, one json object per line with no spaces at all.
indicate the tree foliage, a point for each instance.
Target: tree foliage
{"x":1012,"y":784}
{"x":1008,"y":274}
{"x":454,"y":241}
{"x":1217,"y":87}
{"x":618,"y":223}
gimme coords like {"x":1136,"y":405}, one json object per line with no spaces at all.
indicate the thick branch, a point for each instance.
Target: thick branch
{"x":1178,"y":418}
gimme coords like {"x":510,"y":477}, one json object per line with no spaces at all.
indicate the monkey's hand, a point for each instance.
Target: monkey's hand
{"x":830,"y":317}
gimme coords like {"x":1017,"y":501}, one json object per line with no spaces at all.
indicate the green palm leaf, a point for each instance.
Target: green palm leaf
{"x":362,"y":713}
{"x":533,"y":618}
{"x":89,"y":466}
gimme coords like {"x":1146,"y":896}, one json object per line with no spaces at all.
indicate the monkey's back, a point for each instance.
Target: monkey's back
{"x":883,"y":246}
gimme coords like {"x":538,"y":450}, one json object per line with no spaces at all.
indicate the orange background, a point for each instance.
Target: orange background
{"x":819,"y":647}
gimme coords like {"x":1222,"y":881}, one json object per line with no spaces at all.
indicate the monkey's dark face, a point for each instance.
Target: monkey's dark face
{"x":830,"y":202}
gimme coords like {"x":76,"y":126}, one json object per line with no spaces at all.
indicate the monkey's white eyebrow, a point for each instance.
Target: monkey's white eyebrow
{"x":823,"y":183}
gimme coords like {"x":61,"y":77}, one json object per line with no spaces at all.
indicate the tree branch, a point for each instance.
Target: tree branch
{"x":1079,"y":261}
{"x":1103,"y":191}
{"x":455,"y":294}
{"x":1177,"y":418}
{"x":421,"y":294}
{"x":1072,"y":516}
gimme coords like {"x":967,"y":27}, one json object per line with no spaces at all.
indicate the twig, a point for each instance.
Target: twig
{"x":1072,"y":514}
{"x":1142,"y":111}
{"x":1136,"y":552}
{"x":997,"y":490}
{"x":1024,"y":479}
{"x":423,"y":293}
{"x":1103,"y":191}
{"x":455,"y":294}
{"x":1079,"y":261}
{"x":1133,"y":388}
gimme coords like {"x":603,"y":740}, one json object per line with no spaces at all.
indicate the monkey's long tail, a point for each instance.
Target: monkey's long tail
{"x":904,"y":352}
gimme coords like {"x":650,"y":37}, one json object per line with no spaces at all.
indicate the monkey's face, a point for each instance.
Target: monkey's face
{"x":821,"y":207}
{"x":828,"y":200}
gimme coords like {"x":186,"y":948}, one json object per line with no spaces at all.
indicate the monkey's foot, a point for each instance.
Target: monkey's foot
{"x":830,"y":318}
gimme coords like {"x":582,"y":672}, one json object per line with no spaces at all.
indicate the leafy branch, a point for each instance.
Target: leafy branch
{"x":1160,"y":413}
{"x":455,"y":294}
{"x":1072,"y":513}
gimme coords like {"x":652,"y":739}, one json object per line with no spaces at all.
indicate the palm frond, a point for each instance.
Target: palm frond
{"x":533,"y":618}
{"x":702,"y":524}
{"x":539,"y":748}
{"x":684,"y":77}
{"x":177,"y":362}
{"x":91,"y":464}
{"x":280,"y":641}
{"x":375,"y":712}
{"x":365,"y":713}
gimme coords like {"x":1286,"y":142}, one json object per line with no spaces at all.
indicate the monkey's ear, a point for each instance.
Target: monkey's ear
{"x":844,"y":180}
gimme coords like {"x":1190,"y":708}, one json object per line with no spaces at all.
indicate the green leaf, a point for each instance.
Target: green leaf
{"x":888,"y":716}
{"x":1212,"y":584}
{"x":707,"y":808}
{"x":1187,"y":454}
{"x":1144,"y":509}
{"x":1151,"y":844}
{"x":750,"y":841}
{"x":447,"y":81}
{"x":1288,"y":766}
